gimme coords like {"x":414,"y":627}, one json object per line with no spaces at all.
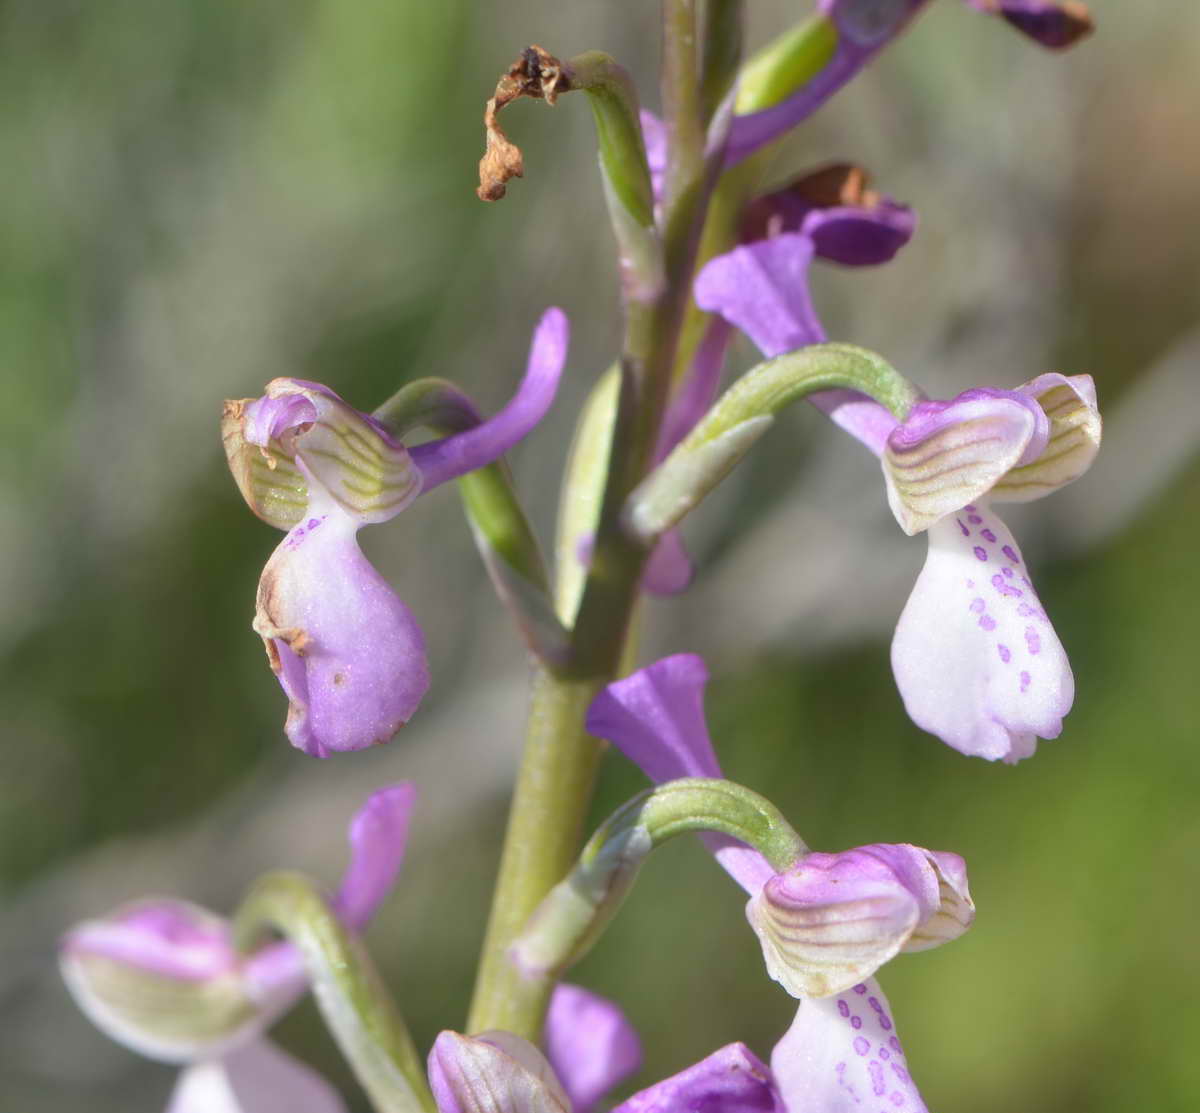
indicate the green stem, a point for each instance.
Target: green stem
{"x":549,"y":805}
{"x":351,"y":995}
{"x":558,"y":768}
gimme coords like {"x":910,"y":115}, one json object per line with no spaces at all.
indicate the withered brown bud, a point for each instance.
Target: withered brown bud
{"x":537,"y":73}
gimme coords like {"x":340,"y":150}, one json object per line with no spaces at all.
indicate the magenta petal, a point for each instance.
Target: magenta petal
{"x":378,"y":833}
{"x":762,"y":288}
{"x":347,"y":651}
{"x":590,"y":1044}
{"x":975,"y":657}
{"x":258,"y":1078}
{"x":1052,"y":25}
{"x":842,"y":1055}
{"x":731,"y":1080}
{"x":655,"y":717}
{"x":450,"y":457}
{"x":858,"y":237}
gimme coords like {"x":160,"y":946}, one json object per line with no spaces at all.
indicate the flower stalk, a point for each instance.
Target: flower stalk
{"x":352,"y":996}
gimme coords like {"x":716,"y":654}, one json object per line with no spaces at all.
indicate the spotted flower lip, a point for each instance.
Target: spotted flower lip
{"x":346,"y":650}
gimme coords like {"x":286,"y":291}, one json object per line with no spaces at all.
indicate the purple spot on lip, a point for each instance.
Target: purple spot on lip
{"x":1008,"y":572}
{"x":860,"y":989}
{"x":885,"y":1022}
{"x":988,"y":623}
{"x":1005,"y":588}
{"x":843,"y":1008}
{"x":862,"y":1045}
{"x":978,"y":606}
{"x":1033,"y":640}
{"x":1025,"y":681}
{"x":900,"y":1072}
{"x":975,"y":519}
{"x":876,"y":1072}
{"x":1011,"y":553}
{"x":896,"y":1098}
{"x":874,"y":1003}
{"x":313,"y":523}
{"x":1005,"y":656}
{"x":895,"y":1045}
{"x":884,"y":1053}
{"x":980,"y":552}
{"x":965,"y":532}
{"x":989,"y":535}
{"x":970,"y":583}
{"x":856,"y":1022}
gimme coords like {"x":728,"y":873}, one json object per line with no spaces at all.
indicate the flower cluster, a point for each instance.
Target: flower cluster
{"x":975,"y":658}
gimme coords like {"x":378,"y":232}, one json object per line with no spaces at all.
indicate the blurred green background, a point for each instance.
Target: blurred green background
{"x":199,"y":195}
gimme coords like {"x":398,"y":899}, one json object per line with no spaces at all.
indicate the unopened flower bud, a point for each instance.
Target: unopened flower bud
{"x":833,"y":919}
{"x":493,"y":1072}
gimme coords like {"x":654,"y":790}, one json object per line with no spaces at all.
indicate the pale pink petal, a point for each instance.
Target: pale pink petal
{"x":257,"y":1078}
{"x":975,"y":657}
{"x":842,"y":1055}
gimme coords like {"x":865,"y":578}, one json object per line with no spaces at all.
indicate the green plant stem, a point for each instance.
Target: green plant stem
{"x":545,"y":823}
{"x":558,"y":767}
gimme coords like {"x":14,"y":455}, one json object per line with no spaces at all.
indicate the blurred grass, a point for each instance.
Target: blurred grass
{"x":201,"y":195}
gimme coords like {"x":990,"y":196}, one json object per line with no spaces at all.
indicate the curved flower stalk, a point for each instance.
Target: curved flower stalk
{"x":346,"y":650}
{"x":163,"y":977}
{"x":842,"y":38}
{"x":975,"y":657}
{"x":826,"y":923}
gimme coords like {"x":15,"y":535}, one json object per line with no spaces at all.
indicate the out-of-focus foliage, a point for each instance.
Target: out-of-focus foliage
{"x":200,"y":195}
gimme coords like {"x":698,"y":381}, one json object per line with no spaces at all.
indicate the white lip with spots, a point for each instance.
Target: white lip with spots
{"x":975,"y":657}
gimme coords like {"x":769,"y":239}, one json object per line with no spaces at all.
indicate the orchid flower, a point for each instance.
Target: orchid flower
{"x":860,"y":29}
{"x":161,"y":976}
{"x":975,"y":657}
{"x":347,"y":651}
{"x":825,"y":925}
